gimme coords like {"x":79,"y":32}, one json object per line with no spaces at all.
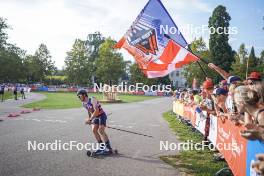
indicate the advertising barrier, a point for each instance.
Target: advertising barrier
{"x":238,"y":152}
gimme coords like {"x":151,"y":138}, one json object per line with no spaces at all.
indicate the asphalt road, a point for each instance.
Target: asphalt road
{"x":139,"y":155}
{"x":11,"y":105}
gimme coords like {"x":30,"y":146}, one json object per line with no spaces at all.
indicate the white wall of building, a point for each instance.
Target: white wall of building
{"x":177,"y":78}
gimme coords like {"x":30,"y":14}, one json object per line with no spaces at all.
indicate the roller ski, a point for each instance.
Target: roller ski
{"x":101,"y":153}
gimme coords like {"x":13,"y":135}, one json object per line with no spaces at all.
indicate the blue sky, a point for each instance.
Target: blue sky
{"x":57,"y":23}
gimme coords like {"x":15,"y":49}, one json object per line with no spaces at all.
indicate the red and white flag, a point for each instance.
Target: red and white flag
{"x":156,"y":51}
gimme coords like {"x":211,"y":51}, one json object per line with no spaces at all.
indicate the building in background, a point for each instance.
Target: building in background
{"x":177,"y":78}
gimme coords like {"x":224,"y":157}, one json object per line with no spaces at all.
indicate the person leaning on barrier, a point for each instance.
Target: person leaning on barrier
{"x":190,"y":97}
{"x":247,"y":100}
{"x":254,"y":82}
{"x":233,"y":82}
{"x":208,"y":104}
{"x":253,"y":78}
{"x":219,"y":97}
{"x":182,"y":95}
{"x":208,"y":88}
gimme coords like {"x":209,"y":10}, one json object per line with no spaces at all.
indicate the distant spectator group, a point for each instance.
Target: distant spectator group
{"x":14,"y":88}
{"x":241,"y":101}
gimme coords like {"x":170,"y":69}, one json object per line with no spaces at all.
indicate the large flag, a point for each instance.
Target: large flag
{"x":155,"y":42}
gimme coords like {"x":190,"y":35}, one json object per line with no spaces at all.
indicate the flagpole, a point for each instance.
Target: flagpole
{"x":189,"y":49}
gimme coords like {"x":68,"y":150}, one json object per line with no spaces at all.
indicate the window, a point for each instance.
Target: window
{"x":177,"y":73}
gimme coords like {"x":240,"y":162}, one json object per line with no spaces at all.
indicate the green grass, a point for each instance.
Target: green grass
{"x":62,"y":100}
{"x":192,"y":162}
{"x":9,"y":95}
{"x":134,"y":98}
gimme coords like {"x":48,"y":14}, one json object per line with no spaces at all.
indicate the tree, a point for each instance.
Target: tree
{"x":110,"y":64}
{"x":93,"y":44}
{"x":46,"y":64}
{"x":77,"y":66}
{"x":220,"y":51}
{"x":238,"y":68}
{"x":242,"y":53}
{"x":11,"y":57}
{"x":11,"y":62}
{"x":39,"y":65}
{"x":3,"y":34}
{"x":193,"y":70}
{"x":252,"y":61}
{"x":261,"y":58}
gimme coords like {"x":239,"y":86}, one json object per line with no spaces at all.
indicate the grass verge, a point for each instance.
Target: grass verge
{"x":191,"y":162}
{"x":62,"y":100}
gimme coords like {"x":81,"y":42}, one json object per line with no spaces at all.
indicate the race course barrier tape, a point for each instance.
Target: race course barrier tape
{"x":239,"y":153}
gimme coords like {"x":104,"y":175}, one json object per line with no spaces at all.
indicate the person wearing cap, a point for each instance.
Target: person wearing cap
{"x":208,"y":105}
{"x":254,"y":77}
{"x":255,"y":83}
{"x":219,"y":96}
{"x":233,"y":80}
{"x":97,"y":118}
{"x":208,"y":88}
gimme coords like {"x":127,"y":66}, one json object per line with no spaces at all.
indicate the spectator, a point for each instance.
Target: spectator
{"x":15,"y":92}
{"x":223,"y":84}
{"x":233,"y":82}
{"x":247,"y":100}
{"x":2,"y":92}
{"x":182,"y":94}
{"x":208,"y":87}
{"x":208,"y":106}
{"x":197,"y":98}
{"x":259,"y":88}
{"x":219,"y":96}
{"x":190,"y":98}
{"x":22,"y":91}
{"x":253,"y":78}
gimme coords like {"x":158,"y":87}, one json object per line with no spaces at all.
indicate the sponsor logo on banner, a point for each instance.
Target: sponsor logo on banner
{"x":228,"y":133}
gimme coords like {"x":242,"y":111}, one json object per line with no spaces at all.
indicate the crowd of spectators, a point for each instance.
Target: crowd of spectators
{"x":240,"y":101}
